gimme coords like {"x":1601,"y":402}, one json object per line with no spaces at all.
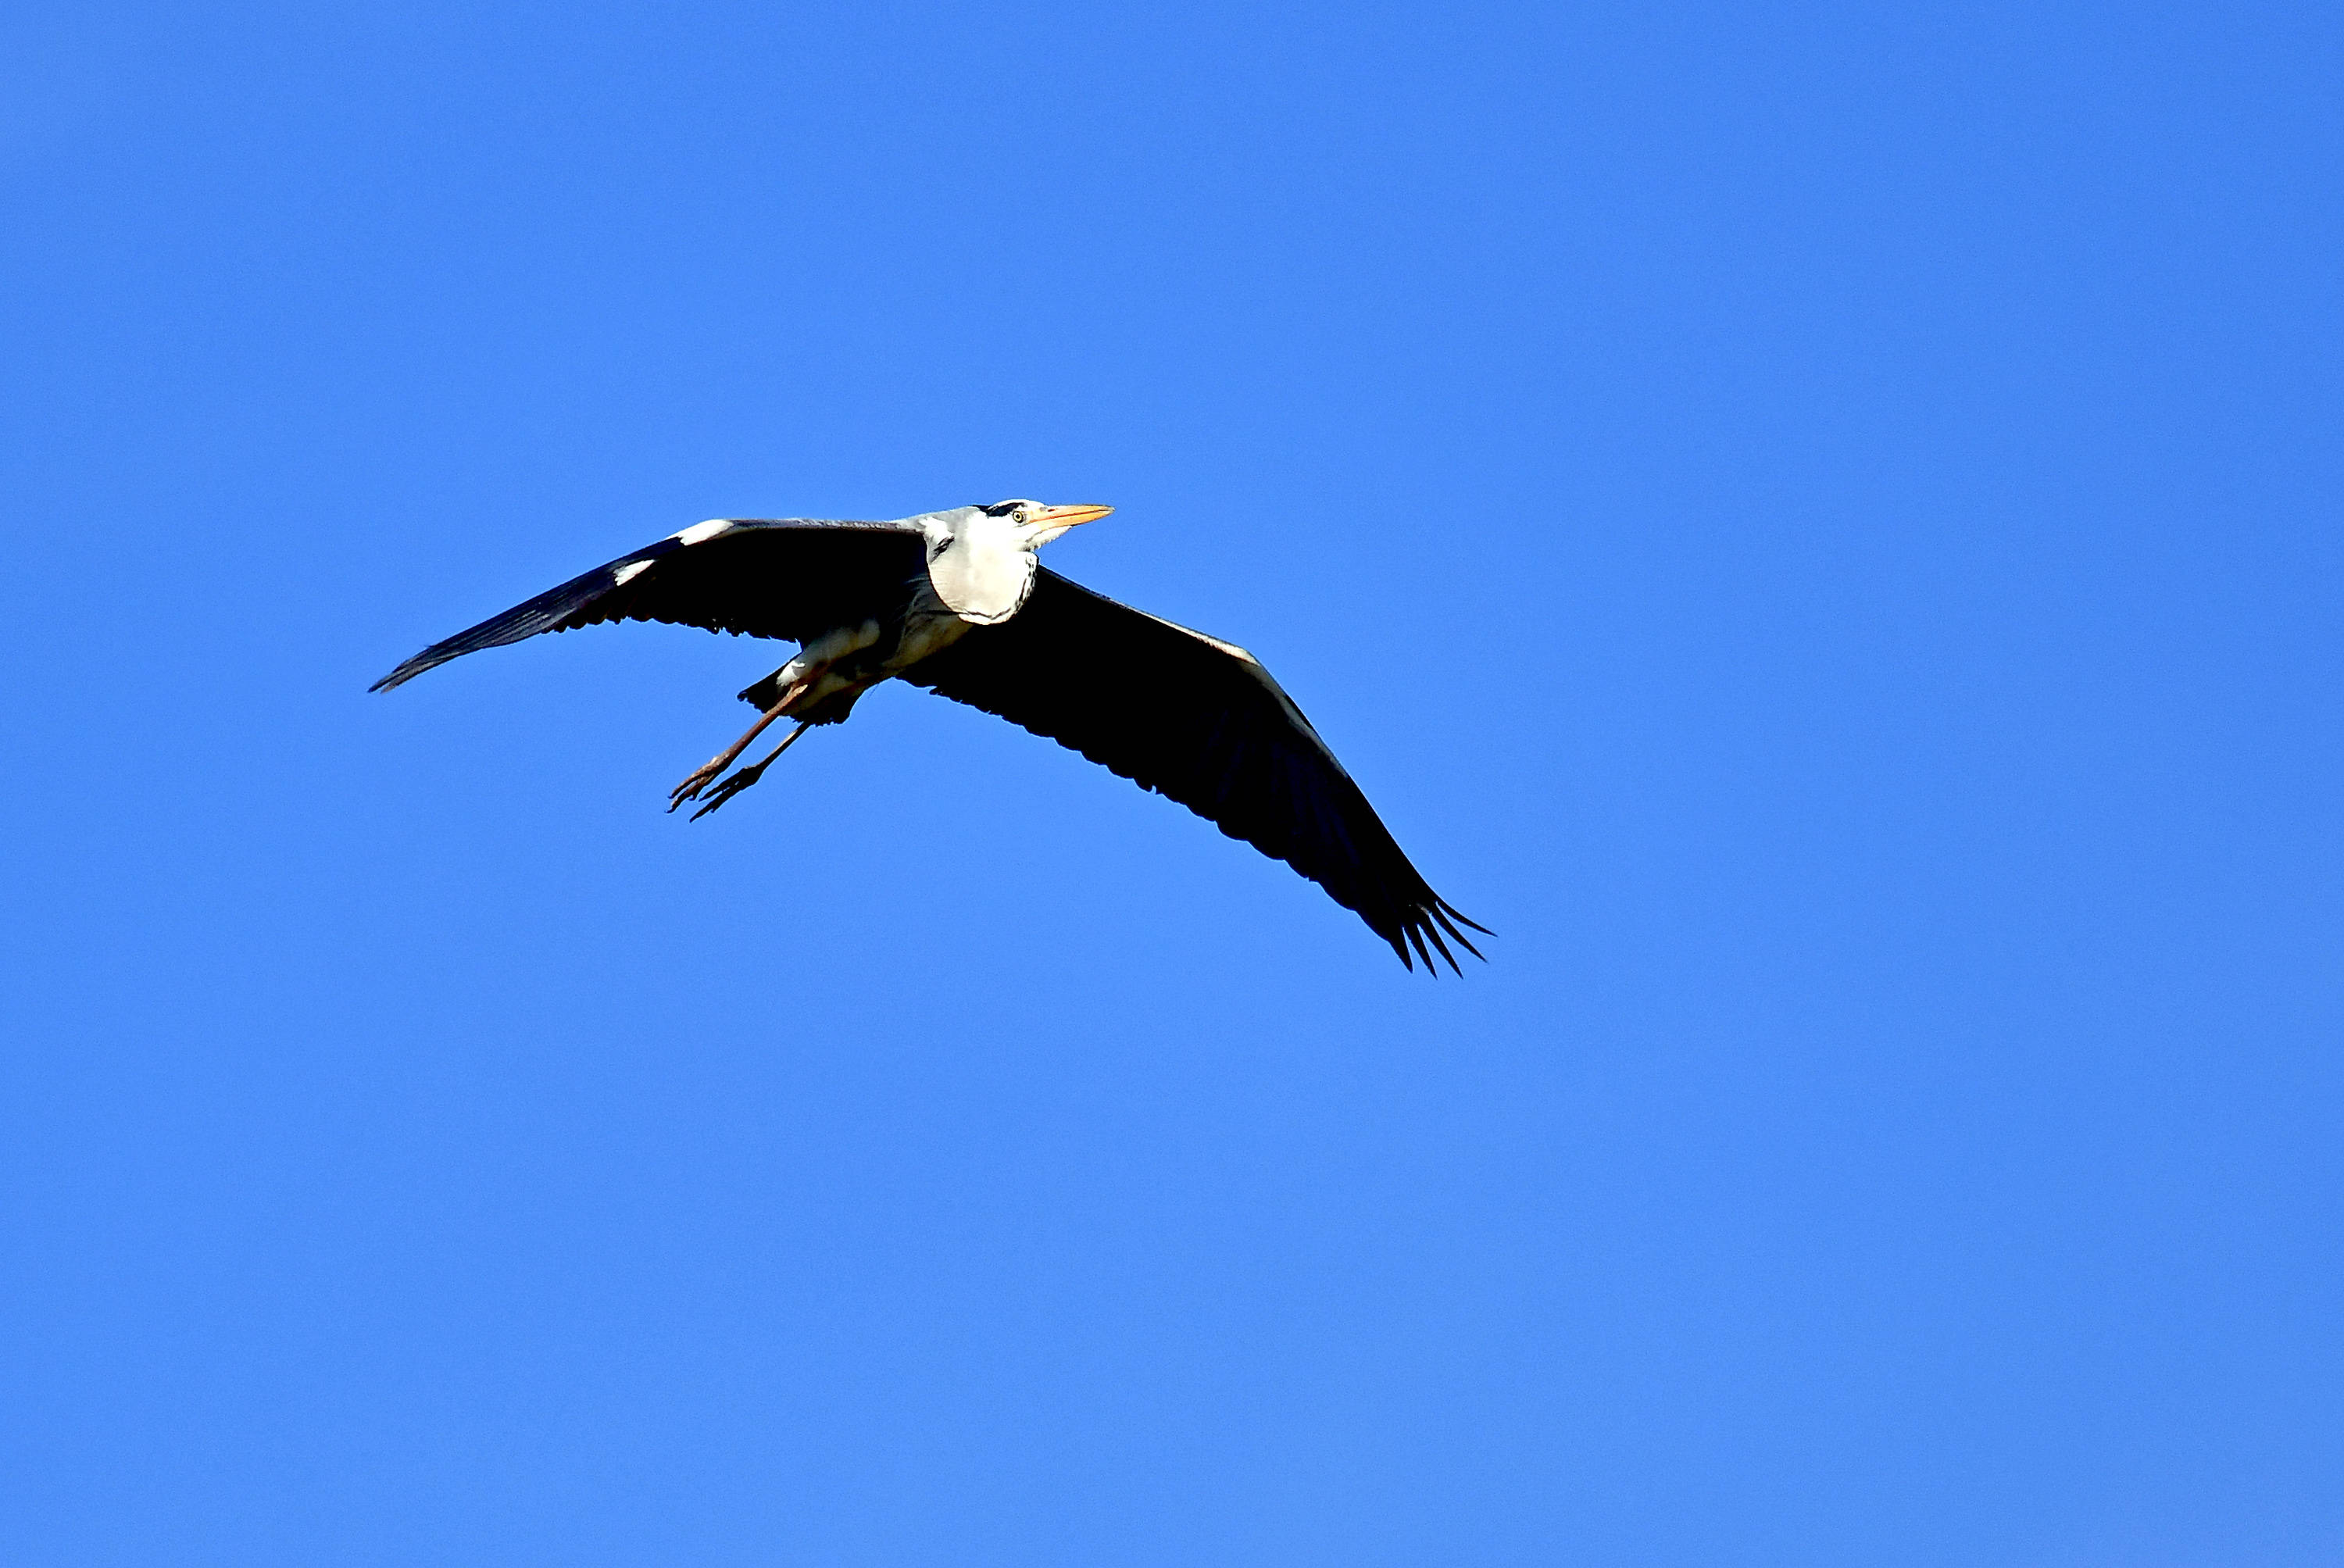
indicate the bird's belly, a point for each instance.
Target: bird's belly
{"x":840,"y":667}
{"x":930,"y":626}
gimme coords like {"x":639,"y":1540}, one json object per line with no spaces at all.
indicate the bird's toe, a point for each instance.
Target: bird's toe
{"x":728,"y":789}
{"x":690,"y":787}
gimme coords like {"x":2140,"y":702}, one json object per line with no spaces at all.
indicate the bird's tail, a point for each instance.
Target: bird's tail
{"x":764,"y":693}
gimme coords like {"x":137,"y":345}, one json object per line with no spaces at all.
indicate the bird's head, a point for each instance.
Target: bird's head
{"x":981,"y":559}
{"x":1034,"y":525}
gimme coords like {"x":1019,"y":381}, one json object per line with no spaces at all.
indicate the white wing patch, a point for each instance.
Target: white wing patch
{"x":702,"y":533}
{"x":1231,"y":649}
{"x":626,"y":574}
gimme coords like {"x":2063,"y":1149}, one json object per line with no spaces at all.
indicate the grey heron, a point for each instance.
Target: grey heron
{"x":956,"y":602}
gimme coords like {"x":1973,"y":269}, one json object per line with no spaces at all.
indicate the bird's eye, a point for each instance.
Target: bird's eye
{"x":1017,"y":516}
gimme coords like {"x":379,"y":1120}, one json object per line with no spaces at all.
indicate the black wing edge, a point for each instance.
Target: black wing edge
{"x":1413,"y":916}
{"x":560,"y":609}
{"x":546,"y":612}
{"x":1419,"y":924}
{"x":1418,"y":917}
{"x":1421,"y":917}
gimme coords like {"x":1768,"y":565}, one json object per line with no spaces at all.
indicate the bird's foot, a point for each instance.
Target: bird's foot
{"x":690,"y":787}
{"x":725,"y":790}
{"x":729,"y":787}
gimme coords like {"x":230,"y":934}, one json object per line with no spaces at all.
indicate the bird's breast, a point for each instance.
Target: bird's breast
{"x":930,"y":626}
{"x":982,"y":579}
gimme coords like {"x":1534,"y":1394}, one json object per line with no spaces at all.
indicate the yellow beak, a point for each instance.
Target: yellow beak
{"x":1069,"y":516}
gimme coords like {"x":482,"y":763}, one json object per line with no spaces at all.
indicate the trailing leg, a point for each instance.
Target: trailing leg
{"x":701,"y":776}
{"x":732,"y":786}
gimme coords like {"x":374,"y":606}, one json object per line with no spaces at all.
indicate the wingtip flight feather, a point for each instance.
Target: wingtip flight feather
{"x":399,"y":677}
{"x":1430,"y":927}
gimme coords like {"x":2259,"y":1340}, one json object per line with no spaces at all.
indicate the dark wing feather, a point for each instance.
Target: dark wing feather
{"x":1199,"y":721}
{"x":790,"y":578}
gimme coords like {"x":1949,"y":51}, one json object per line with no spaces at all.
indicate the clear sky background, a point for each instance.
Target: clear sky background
{"x":1819,"y":524}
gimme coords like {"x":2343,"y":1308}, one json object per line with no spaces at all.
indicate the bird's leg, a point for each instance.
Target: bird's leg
{"x":692,"y":786}
{"x":732,"y":786}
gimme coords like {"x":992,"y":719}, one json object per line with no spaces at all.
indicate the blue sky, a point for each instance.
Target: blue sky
{"x":1818,"y":524}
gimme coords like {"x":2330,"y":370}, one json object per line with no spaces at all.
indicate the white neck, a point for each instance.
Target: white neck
{"x":981,"y":566}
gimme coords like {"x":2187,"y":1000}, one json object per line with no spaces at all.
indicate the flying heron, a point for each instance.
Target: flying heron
{"x":955,"y":600}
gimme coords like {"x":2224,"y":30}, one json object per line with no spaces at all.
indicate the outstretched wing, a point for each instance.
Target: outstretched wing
{"x":1200,"y":721}
{"x":790,"y":578}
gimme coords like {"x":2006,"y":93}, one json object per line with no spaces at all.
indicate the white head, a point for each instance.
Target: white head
{"x":1035,"y":524}
{"x":981,"y":558}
